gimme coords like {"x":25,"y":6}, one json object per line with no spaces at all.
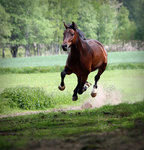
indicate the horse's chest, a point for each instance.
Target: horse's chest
{"x":78,"y":67}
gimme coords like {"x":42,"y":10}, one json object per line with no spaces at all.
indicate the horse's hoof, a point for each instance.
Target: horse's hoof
{"x":94,"y":92}
{"x":74,"y":98}
{"x":61,"y":87}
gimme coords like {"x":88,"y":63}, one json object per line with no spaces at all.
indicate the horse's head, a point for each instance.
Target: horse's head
{"x":69,"y":36}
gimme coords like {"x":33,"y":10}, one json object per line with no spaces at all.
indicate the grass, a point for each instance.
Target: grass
{"x":17,"y":132}
{"x":126,"y":57}
{"x":47,"y":81}
{"x":27,"y":98}
{"x":129,"y":83}
{"x":23,"y":81}
{"x":46,"y":69}
{"x":59,"y":60}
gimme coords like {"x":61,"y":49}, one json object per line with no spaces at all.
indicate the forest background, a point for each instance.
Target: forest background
{"x":35,"y":27}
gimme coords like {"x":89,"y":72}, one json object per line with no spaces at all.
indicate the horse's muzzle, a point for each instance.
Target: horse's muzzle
{"x":65,"y":47}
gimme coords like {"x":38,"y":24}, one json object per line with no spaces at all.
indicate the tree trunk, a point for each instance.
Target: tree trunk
{"x":38,"y":50}
{"x":35,"y":51}
{"x":27,"y":52}
{"x":3,"y":52}
{"x":14,"y":50}
{"x":59,"y":52}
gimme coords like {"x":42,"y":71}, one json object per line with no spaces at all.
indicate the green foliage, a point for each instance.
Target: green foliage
{"x":28,"y":23}
{"x":5,"y":27}
{"x":87,"y":20}
{"x":126,"y":28}
{"x":27,"y":98}
{"x":106,"y":19}
{"x":136,"y":13}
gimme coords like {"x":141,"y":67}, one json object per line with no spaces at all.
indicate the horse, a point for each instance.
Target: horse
{"x":85,"y":56}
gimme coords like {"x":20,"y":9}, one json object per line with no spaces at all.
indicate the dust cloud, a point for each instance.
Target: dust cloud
{"x":107,"y":96}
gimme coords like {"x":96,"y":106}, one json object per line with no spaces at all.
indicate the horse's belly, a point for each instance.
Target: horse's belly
{"x":79,"y":70}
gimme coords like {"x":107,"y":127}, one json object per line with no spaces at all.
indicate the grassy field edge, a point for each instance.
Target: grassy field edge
{"x":45,"y":69}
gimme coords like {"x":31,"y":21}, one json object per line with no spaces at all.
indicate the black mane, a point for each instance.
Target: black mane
{"x":81,"y":34}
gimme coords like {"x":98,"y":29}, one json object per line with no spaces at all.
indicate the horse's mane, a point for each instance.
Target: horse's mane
{"x":81,"y":34}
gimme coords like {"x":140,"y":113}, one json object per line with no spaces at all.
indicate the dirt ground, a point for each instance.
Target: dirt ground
{"x":132,"y":139}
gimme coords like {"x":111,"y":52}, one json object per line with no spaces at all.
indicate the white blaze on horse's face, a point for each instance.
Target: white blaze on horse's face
{"x":68,"y":39}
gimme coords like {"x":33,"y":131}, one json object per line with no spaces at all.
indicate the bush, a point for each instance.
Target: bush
{"x":27,"y":98}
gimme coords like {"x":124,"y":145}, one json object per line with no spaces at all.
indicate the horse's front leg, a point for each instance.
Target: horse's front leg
{"x":75,"y":97}
{"x":63,"y":74}
{"x":83,"y":85}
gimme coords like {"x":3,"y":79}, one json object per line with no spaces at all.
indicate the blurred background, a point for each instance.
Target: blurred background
{"x":35,"y":27}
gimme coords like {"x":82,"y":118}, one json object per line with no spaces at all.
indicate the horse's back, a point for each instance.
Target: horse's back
{"x":98,"y":52}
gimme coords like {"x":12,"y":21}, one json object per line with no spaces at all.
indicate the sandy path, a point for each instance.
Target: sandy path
{"x":104,"y":97}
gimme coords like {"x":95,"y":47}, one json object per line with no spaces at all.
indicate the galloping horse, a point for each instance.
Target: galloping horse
{"x":86,"y":55}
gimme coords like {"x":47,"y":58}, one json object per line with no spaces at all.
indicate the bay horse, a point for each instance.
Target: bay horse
{"x":85,"y":56}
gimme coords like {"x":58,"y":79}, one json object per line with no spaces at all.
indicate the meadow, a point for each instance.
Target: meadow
{"x":121,"y":76}
{"x":59,"y":60}
{"x":27,"y":85}
{"x":129,"y":83}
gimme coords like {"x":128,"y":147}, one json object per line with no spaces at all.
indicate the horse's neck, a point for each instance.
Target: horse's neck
{"x":79,"y":49}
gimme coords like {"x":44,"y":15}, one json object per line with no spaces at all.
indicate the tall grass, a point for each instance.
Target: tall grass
{"x":32,"y":98}
{"x":26,"y":98}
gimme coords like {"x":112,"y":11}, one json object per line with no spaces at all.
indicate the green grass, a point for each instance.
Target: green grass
{"x":129,"y":83}
{"x":113,"y":57}
{"x":47,"y":81}
{"x":27,"y":98}
{"x":17,"y":132}
{"x":27,"y":70}
{"x":23,"y":81}
{"x":126,"y":57}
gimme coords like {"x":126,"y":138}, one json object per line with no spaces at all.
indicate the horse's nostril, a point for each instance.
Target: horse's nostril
{"x":64,"y":46}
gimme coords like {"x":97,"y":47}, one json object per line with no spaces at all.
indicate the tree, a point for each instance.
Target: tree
{"x":136,"y":14}
{"x":87,"y":19}
{"x":107,"y":23}
{"x":126,"y":28}
{"x":28,"y":24}
{"x":5,"y":29}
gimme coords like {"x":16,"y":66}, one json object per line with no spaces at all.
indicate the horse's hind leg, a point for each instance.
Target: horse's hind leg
{"x":97,"y":77}
{"x":86,"y":86}
{"x":63,"y":74}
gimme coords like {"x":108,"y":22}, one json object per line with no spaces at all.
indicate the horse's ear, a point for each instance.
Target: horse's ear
{"x":74,"y":26}
{"x":66,"y":26}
